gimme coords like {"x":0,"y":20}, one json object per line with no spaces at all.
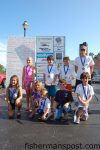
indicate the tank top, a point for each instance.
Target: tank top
{"x":13,"y":94}
{"x":28,"y":73}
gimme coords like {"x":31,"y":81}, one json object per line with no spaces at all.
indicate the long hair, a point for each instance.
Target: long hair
{"x":12,"y":77}
{"x":38,"y":83}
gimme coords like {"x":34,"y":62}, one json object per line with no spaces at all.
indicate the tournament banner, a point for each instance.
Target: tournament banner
{"x":17,"y":52}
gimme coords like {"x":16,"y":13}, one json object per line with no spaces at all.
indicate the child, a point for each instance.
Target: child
{"x":27,"y":79}
{"x":36,"y":97}
{"x":14,"y":96}
{"x":67,"y":72}
{"x":63,"y":97}
{"x":50,"y":78}
{"x":83,"y":63}
{"x":84,"y":94}
{"x":45,"y":105}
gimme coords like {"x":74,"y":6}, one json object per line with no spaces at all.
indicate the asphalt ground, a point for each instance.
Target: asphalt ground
{"x":26,"y":134}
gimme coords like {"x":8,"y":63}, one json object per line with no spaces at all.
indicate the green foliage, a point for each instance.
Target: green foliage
{"x":2,"y":69}
{"x":97,"y":56}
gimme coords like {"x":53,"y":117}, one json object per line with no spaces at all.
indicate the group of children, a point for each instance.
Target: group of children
{"x":40,"y":102}
{"x":46,"y":99}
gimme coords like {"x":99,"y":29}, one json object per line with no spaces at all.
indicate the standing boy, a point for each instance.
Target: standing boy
{"x":50,"y":78}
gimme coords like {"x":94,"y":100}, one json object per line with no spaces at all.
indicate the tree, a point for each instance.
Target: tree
{"x":2,"y":69}
{"x":91,"y":54}
{"x":97,"y":56}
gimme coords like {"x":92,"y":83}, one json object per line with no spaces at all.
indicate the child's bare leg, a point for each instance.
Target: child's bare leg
{"x":18,"y":105}
{"x":27,"y":98}
{"x":52,"y":100}
{"x":11,"y":112}
{"x":79,"y":113}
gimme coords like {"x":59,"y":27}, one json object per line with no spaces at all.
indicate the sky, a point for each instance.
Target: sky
{"x":77,"y":20}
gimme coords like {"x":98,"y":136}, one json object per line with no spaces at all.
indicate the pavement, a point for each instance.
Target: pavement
{"x":26,"y":134}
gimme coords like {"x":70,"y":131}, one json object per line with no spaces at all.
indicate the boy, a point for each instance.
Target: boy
{"x":84,"y":94}
{"x":63,"y":97}
{"x":67,"y":72}
{"x":50,"y":76}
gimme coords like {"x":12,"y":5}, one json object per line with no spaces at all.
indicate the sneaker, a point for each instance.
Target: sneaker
{"x":76,"y":119}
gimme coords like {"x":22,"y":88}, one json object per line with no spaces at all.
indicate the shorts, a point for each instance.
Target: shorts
{"x":52,"y":89}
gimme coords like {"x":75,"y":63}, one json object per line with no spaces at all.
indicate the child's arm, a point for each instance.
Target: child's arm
{"x":88,"y":100}
{"x":84,"y":102}
{"x":33,"y":72}
{"x":80,"y":100}
{"x":7,"y":96}
{"x":23,"y":79}
{"x":45,"y":113}
{"x":76,"y":68}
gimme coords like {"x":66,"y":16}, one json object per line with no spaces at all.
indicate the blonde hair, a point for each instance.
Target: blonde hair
{"x":38,"y":83}
{"x":30,"y":58}
{"x":44,"y":91}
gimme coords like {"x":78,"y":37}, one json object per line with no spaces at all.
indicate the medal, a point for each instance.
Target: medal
{"x":49,"y":70}
{"x":27,"y":72}
{"x":83,"y":68}
{"x":85,"y":94}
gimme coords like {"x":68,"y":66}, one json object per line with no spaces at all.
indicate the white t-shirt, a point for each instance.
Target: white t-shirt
{"x":86,"y":68}
{"x":88,"y":90}
{"x":47,"y":104}
{"x":68,"y":73}
{"x":50,"y":72}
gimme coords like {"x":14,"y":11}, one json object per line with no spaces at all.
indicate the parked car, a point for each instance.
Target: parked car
{"x":3,"y":80}
{"x":96,"y":79}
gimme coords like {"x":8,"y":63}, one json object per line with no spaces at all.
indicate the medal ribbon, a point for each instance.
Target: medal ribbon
{"x":86,"y":94}
{"x":27,"y":71}
{"x":83,"y":61}
{"x":13,"y":91}
{"x":65,"y":71}
{"x":49,"y":70}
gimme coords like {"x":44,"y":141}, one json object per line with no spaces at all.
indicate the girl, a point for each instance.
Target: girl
{"x":36,"y":97}
{"x":83,"y":63}
{"x":14,"y":96}
{"x":27,"y":79}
